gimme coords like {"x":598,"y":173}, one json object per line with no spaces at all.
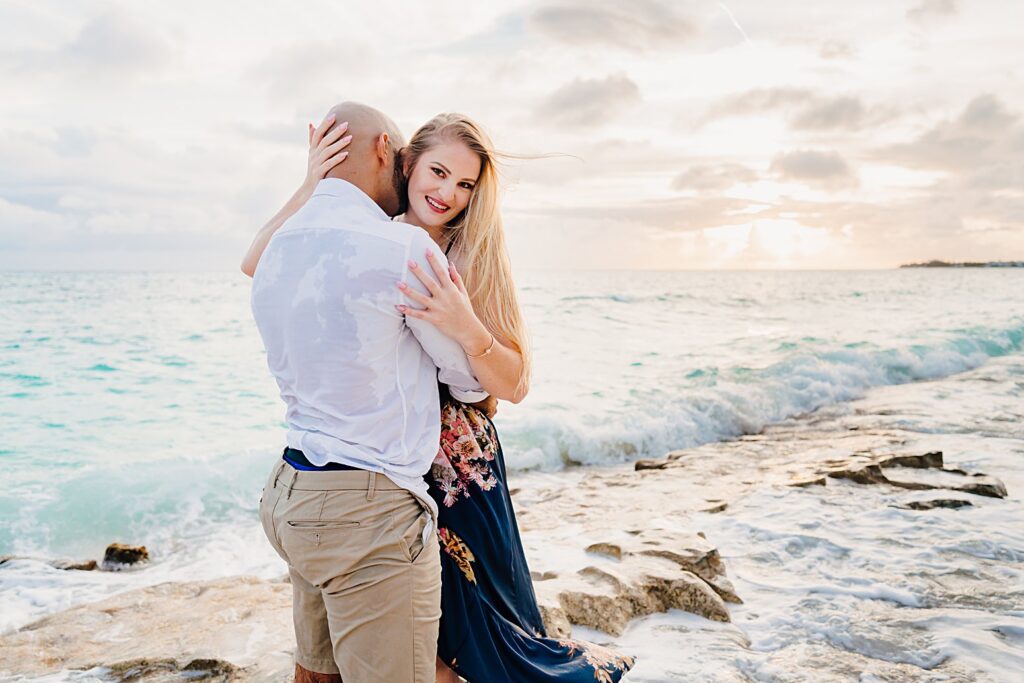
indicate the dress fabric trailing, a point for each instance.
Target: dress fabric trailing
{"x":491,"y":629}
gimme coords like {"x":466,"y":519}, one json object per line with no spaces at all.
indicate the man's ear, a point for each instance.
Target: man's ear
{"x":381,"y":149}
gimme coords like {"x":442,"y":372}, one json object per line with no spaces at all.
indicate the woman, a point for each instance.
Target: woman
{"x":491,"y":629}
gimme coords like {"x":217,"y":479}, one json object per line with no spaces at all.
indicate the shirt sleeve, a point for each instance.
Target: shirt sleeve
{"x":453,"y":367}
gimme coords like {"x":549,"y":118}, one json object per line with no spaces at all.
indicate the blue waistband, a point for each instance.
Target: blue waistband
{"x":298,"y":460}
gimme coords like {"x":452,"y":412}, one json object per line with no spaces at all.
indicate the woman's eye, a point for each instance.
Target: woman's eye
{"x":466,"y":186}
{"x":438,"y":172}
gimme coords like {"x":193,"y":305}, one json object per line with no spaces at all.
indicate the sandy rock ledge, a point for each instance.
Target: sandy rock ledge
{"x":644,"y":572}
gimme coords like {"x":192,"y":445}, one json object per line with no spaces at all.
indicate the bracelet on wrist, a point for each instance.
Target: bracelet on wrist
{"x":486,"y":351}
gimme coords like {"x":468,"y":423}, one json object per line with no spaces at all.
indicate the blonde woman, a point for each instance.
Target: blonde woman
{"x":491,"y":629}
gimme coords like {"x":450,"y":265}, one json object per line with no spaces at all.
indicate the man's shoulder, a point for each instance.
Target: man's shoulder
{"x":326,"y":212}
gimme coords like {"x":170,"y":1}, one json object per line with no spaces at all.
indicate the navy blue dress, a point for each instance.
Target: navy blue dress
{"x":491,"y":629}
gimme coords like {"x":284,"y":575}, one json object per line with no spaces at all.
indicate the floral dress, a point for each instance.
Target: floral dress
{"x":491,"y":629}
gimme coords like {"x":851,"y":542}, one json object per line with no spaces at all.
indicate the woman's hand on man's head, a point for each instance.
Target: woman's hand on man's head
{"x":326,"y":150}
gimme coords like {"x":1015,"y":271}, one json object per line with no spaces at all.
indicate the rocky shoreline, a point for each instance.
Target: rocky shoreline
{"x":607,"y":546}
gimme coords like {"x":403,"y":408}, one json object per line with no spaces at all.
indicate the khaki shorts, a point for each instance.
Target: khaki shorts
{"x":366,"y":587}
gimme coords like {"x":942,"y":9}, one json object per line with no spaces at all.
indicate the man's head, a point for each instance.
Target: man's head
{"x":373,"y":164}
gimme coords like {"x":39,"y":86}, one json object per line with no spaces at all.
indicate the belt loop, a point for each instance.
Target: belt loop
{"x":371,"y":486}
{"x":279,"y":471}
{"x":292,"y":485}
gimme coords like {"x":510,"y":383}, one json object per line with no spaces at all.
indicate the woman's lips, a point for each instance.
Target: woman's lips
{"x":437,"y":206}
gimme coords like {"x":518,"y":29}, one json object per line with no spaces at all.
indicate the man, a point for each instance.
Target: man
{"x":347,"y":507}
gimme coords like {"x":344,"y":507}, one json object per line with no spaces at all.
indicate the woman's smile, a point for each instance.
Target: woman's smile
{"x":437,"y":205}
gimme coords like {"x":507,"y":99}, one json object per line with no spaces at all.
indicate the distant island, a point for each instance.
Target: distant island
{"x":965,"y":264}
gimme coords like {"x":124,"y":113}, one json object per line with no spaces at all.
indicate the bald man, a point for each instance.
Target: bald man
{"x":347,"y":506}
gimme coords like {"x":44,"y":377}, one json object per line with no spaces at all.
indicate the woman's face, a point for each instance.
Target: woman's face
{"x":441,"y":183}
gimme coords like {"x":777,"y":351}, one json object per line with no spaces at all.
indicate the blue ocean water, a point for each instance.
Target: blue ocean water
{"x":138,"y":406}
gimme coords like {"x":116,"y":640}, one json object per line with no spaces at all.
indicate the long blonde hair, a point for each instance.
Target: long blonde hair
{"x":478,"y":235}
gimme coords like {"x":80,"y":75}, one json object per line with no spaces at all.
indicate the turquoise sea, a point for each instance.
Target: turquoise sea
{"x":137,"y":407}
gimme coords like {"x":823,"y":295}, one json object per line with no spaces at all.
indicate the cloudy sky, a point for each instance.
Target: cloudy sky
{"x":692,"y":134}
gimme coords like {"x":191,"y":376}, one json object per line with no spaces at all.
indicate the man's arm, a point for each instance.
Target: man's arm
{"x":453,"y":367}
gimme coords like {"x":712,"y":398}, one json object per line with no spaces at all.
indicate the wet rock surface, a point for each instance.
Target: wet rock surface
{"x":230,"y":629}
{"x":950,"y":503}
{"x":919,"y":472}
{"x":119,"y":556}
{"x":641,"y":572}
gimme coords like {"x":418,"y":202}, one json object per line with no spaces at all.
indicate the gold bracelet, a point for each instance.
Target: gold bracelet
{"x":485,"y":352}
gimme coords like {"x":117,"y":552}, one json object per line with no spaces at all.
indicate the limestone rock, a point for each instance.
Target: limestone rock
{"x":926,"y":460}
{"x":84,"y":566}
{"x":609,"y":549}
{"x":941,"y":478}
{"x":608,"y":597}
{"x":803,"y":483}
{"x":640,"y":572}
{"x":161,"y":670}
{"x":229,"y":629}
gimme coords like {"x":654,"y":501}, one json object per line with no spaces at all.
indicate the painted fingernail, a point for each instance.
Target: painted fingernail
{"x":346,"y":138}
{"x":343,"y":124}
{"x":343,"y":155}
{"x":430,"y":254}
{"x":401,"y":285}
{"x":330,"y":117}
{"x":401,"y":307}
{"x":412,"y":264}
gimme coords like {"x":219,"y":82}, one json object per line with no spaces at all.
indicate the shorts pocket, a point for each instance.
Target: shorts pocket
{"x":317,"y":531}
{"x":412,"y":539}
{"x":320,"y":524}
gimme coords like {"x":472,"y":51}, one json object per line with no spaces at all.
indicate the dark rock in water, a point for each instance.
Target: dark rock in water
{"x":933,"y":459}
{"x":86,"y":566}
{"x":803,"y":483}
{"x":716,"y":508}
{"x":868,"y":474}
{"x":993,"y":488}
{"x":979,"y":483}
{"x":118,"y":555}
{"x":650,"y":465}
{"x":952,"y":503}
{"x":169,"y":669}
{"x":4,"y":559}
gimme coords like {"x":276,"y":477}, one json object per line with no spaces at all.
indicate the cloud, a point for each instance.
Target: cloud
{"x":835,"y":49}
{"x":311,"y":71}
{"x":711,"y":177}
{"x":589,"y":102}
{"x":985,"y":135}
{"x":930,"y":10}
{"x":114,"y":43}
{"x":117,"y":40}
{"x":847,"y":113}
{"x":815,"y":167}
{"x":806,"y":109}
{"x":25,"y":226}
{"x":638,"y":25}
{"x":679,"y":214}
{"x":758,"y":100}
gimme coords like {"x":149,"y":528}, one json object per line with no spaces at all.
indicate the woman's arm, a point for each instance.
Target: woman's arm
{"x":449,"y":308}
{"x":325,"y":152}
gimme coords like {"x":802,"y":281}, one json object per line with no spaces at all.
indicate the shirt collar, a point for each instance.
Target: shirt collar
{"x":336,"y":187}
